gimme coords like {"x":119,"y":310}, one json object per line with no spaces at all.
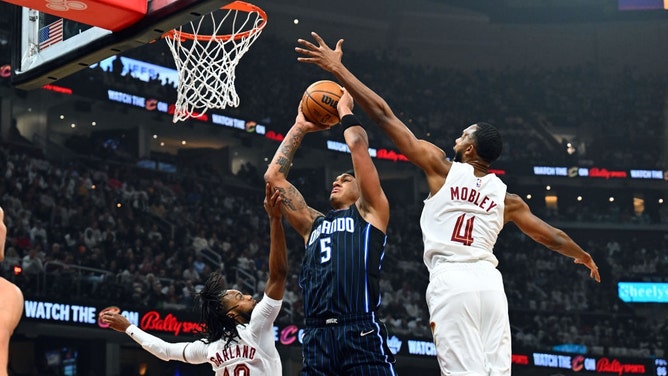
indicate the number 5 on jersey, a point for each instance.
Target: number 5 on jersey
{"x":325,"y":250}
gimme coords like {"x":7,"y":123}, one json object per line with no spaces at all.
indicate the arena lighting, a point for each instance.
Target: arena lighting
{"x":58,"y":89}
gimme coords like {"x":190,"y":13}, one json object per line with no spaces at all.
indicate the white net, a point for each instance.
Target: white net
{"x":206,"y":53}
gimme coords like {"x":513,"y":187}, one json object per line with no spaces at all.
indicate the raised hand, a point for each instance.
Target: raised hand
{"x":589,"y":262}
{"x":346,"y":103}
{"x":321,"y":54}
{"x":272,"y":202}
{"x":306,"y":125}
{"x":115,"y":320}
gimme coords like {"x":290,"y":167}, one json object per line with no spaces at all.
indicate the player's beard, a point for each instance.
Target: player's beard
{"x":458,"y":156}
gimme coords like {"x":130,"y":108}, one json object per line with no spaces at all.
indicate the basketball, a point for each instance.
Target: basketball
{"x":319,"y":102}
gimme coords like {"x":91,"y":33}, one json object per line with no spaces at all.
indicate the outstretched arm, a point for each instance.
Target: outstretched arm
{"x":278,"y":257}
{"x":187,"y":352}
{"x":296,"y":211}
{"x":430,"y":158}
{"x":518,"y":212}
{"x":373,"y":203}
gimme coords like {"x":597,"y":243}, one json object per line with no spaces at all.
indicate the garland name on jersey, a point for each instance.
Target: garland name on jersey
{"x":232,"y":352}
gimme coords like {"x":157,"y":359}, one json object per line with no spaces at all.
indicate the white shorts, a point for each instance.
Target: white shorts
{"x":469,"y":320}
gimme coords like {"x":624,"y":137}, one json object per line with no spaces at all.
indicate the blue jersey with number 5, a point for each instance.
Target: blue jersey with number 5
{"x":341,"y":266}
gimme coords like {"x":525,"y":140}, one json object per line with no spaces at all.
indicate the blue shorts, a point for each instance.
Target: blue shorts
{"x":351,"y":345}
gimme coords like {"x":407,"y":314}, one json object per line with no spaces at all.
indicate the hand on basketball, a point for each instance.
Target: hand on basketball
{"x":321,"y":55}
{"x":306,"y":125}
{"x":346,"y":104}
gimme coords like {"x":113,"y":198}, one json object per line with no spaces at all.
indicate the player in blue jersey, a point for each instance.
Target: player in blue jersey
{"x":344,"y":250}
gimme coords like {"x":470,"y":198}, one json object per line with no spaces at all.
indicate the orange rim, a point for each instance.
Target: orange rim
{"x":237,"y":5}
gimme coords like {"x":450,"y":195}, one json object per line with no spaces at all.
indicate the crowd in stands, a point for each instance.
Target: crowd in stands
{"x":105,"y":231}
{"x":610,"y":117}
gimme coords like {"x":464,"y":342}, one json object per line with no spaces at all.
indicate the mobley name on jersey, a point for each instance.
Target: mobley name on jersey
{"x":472,"y":196}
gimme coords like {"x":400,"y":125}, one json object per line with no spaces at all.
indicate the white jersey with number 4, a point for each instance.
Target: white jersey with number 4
{"x":460,"y":222}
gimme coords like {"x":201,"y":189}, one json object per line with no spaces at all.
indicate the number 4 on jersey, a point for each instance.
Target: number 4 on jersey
{"x":463,"y":234}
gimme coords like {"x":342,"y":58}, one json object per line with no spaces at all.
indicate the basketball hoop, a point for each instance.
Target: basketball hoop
{"x":207,"y":56}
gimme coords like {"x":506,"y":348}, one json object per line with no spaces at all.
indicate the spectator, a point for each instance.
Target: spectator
{"x":38,"y":234}
{"x":32,"y":266}
{"x":12,"y":259}
{"x":92,"y":236}
{"x":191,"y":274}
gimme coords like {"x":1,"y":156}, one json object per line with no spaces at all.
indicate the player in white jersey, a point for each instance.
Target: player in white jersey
{"x":238,"y":331}
{"x":466,"y":208}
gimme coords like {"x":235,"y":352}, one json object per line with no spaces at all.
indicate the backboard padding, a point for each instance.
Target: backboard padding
{"x":99,"y":44}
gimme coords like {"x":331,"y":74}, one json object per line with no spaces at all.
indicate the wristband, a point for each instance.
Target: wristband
{"x":349,"y":120}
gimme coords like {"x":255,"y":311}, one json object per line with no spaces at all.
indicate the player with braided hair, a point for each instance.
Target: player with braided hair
{"x":237,"y":330}
{"x":214,"y":300}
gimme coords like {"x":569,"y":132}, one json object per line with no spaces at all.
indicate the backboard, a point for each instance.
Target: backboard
{"x":49,"y":46}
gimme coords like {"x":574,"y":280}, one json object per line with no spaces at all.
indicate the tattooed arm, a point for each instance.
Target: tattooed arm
{"x":295,"y":209}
